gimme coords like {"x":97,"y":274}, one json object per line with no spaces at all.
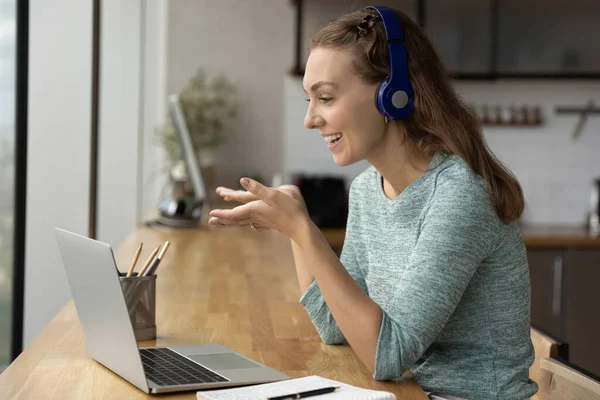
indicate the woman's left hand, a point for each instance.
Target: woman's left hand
{"x":282,"y":209}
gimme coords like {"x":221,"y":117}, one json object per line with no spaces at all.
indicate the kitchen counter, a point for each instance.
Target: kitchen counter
{"x":558,"y":236}
{"x":534,"y":235}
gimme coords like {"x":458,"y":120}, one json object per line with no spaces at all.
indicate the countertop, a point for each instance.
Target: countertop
{"x":534,"y":235}
{"x":558,"y":236}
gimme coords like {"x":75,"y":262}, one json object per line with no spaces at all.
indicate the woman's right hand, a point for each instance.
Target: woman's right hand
{"x":243,"y":196}
{"x":240,"y":196}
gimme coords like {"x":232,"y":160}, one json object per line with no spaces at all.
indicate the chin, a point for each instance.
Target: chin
{"x":343,"y":161}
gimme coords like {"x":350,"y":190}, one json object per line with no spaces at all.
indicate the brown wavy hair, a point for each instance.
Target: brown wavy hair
{"x":441,"y":121}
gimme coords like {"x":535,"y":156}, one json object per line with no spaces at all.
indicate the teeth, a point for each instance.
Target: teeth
{"x":331,"y":138}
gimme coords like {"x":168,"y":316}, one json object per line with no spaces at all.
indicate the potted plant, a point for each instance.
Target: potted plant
{"x":208,"y":104}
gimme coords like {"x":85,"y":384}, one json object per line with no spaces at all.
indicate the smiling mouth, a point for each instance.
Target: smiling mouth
{"x":333,"y":138}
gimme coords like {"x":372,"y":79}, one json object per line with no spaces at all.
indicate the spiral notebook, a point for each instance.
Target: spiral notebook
{"x":260,"y":392}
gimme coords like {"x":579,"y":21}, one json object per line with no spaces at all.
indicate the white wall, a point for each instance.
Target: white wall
{"x":132,"y":98}
{"x":556,"y":172}
{"x":132,"y":106}
{"x":154,"y":100}
{"x":252,"y":42}
{"x":119,"y":118}
{"x":60,"y":68}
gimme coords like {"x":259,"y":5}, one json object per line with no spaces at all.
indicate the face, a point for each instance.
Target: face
{"x":341,"y":106}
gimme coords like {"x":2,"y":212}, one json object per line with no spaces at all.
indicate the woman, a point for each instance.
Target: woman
{"x":433,"y":275}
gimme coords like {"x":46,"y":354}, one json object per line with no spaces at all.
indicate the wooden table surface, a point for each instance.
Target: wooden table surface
{"x":233,"y":287}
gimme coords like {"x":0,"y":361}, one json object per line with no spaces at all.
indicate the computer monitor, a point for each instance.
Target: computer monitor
{"x":174,"y":209}
{"x":186,"y":148}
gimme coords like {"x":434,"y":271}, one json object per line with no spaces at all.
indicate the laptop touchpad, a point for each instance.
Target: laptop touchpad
{"x":224,"y":361}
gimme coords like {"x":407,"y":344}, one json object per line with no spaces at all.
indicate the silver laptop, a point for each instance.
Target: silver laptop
{"x":110,"y":340}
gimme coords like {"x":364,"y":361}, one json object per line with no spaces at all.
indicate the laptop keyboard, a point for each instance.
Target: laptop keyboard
{"x":166,"y":368}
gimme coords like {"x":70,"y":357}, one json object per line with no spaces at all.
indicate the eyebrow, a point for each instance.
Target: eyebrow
{"x":322,"y":83}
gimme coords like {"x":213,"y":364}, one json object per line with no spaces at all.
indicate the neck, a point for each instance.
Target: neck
{"x":398,"y":163}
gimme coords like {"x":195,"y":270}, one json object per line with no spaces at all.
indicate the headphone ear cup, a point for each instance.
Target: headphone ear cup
{"x":394,"y":102}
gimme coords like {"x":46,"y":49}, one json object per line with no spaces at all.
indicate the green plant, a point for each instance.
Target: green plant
{"x":208,"y":104}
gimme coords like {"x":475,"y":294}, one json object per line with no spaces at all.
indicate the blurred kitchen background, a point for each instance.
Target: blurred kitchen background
{"x":98,"y":153}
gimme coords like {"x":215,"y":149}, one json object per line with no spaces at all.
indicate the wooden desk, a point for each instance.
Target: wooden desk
{"x":232,"y":286}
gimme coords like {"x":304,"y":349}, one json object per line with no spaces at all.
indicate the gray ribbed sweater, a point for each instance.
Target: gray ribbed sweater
{"x":452,"y":281}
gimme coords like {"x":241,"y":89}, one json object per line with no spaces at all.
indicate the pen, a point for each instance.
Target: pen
{"x":154,"y":264}
{"x":135,"y":258}
{"x":301,"y":395}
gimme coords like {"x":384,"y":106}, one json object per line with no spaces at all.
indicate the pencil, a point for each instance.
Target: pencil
{"x":135,"y":258}
{"x":163,"y":250}
{"x":149,"y":260}
{"x":157,"y":260}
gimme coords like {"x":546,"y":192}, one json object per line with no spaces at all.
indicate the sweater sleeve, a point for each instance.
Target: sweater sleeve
{"x":312,"y":299}
{"x":458,"y":230}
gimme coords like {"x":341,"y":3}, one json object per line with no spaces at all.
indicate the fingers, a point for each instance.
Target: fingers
{"x":234,"y":215}
{"x":245,"y":213}
{"x":227,"y":222}
{"x":244,"y":223}
{"x":240,"y":196}
{"x":268,"y":195}
{"x":247,"y":223}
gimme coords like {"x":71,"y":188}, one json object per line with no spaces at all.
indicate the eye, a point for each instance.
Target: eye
{"x":325,"y":99}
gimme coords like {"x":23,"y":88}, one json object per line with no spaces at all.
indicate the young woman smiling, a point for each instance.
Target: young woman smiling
{"x":433,"y":275}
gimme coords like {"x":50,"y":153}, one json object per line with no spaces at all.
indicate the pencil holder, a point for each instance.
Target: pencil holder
{"x":140,"y":297}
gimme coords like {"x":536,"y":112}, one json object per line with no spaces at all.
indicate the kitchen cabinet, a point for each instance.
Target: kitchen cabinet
{"x":548,"y":37}
{"x":515,"y":38}
{"x":546,"y":270}
{"x":461,"y":33}
{"x":565,"y":299}
{"x":582,"y":312}
{"x":486,"y":38}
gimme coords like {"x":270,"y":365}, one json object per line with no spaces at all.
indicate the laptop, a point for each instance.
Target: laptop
{"x":109,"y":337}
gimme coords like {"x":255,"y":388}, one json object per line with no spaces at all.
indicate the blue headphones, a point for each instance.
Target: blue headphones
{"x":395,"y":96}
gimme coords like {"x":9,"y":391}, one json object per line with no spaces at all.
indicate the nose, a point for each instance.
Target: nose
{"x":312,"y":120}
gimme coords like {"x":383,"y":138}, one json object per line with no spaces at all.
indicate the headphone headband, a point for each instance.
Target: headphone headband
{"x":395,"y":96}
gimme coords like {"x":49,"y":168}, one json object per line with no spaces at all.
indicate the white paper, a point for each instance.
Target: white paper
{"x":259,"y":392}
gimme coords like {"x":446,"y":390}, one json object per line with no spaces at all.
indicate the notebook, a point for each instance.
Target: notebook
{"x":259,"y":392}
